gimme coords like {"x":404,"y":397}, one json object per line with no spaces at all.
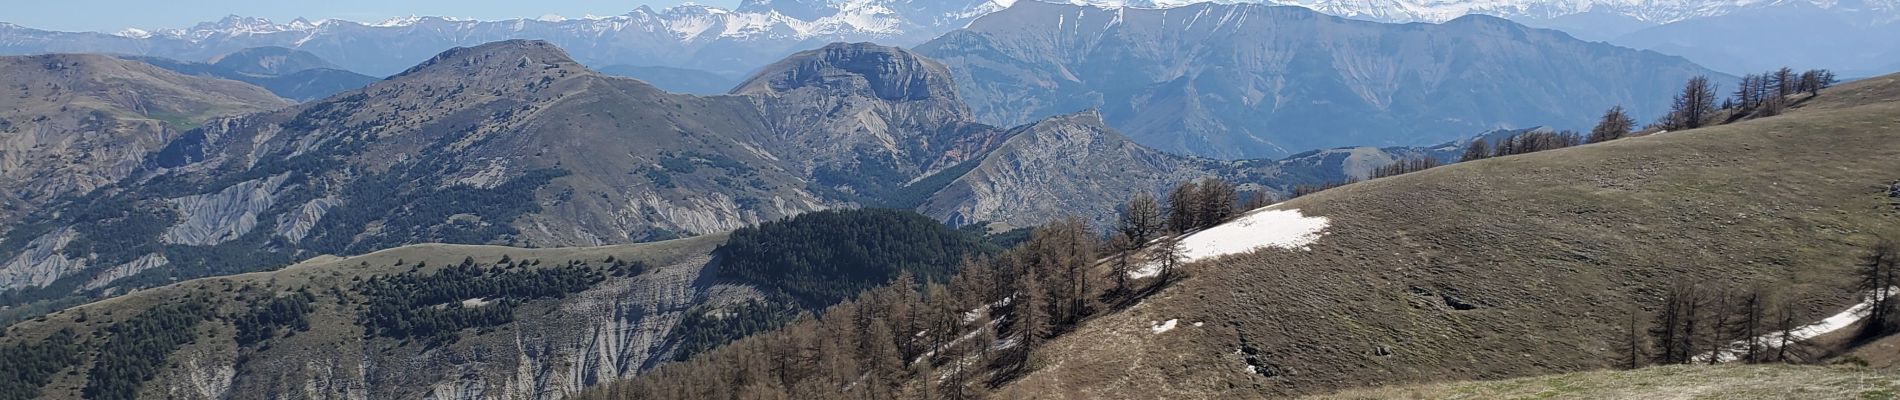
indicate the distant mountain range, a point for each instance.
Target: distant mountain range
{"x":731,"y":42}
{"x":291,"y":74}
{"x":1733,"y":36}
{"x":1253,"y":81}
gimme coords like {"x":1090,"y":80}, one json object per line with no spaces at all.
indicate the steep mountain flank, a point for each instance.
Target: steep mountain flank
{"x":1509,"y":266}
{"x":72,"y":123}
{"x":1253,"y":81}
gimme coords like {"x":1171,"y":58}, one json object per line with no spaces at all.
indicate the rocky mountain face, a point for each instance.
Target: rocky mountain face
{"x":866,"y":119}
{"x":73,"y":123}
{"x":1254,"y":81}
{"x":291,"y":74}
{"x":718,"y":40}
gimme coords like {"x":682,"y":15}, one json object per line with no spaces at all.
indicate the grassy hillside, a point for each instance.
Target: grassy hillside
{"x":1512,"y":266}
{"x":1672,"y":382}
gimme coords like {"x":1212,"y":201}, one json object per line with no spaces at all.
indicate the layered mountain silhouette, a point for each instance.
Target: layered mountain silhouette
{"x":291,"y":74}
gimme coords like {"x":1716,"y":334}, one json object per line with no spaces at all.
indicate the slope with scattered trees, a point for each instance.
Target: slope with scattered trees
{"x":1524,"y":265}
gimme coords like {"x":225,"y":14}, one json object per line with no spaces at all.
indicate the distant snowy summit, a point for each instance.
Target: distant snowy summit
{"x":733,"y":41}
{"x":752,"y":19}
{"x":1653,"y":12}
{"x":803,"y":19}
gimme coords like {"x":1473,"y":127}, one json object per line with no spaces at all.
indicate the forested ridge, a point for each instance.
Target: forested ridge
{"x":823,"y":257}
{"x":433,"y":307}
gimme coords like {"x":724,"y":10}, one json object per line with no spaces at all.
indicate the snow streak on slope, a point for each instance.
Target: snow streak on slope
{"x":1836,"y":322}
{"x":1259,"y":229}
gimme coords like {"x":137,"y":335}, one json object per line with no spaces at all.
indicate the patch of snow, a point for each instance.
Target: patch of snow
{"x":1197,"y":324}
{"x":970,"y":316}
{"x":1160,"y":327}
{"x":135,"y":33}
{"x":474,"y":302}
{"x":1260,"y":229}
{"x":396,"y":22}
{"x":1828,"y":325}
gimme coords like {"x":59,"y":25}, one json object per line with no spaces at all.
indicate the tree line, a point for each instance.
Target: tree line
{"x":1696,"y":323}
{"x":823,"y":257}
{"x":428,"y":306}
{"x":1696,"y":105}
{"x":137,"y":348}
{"x":264,"y":320}
{"x":1756,"y":95}
{"x":29,"y":366}
{"x":1700,"y":323}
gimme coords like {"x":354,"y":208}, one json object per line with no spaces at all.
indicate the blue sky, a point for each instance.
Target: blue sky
{"x":113,"y":15}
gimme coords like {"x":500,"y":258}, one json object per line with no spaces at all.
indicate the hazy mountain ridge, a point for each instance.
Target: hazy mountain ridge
{"x":686,"y":36}
{"x":291,"y":74}
{"x":1254,"y":81}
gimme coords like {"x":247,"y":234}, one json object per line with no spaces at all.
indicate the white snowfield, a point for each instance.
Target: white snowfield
{"x":1833,"y":323}
{"x":1160,"y":327}
{"x":1259,"y":229}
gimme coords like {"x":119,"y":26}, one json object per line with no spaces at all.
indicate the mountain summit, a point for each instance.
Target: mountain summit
{"x":887,"y":73}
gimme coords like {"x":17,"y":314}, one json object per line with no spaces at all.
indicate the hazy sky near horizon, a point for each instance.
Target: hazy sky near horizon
{"x":114,"y":15}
